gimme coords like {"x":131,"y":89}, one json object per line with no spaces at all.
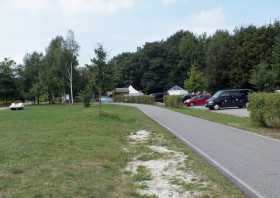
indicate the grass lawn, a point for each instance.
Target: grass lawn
{"x":230,"y":120}
{"x":68,"y":151}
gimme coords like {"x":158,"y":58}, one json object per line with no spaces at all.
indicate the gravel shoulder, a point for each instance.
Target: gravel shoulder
{"x":229,"y":111}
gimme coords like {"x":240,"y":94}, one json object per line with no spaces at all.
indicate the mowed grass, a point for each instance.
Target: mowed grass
{"x":230,"y":120}
{"x":69,"y":151}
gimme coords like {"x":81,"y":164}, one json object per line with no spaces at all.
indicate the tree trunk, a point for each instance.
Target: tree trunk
{"x":100,"y":104}
{"x":71,"y":83}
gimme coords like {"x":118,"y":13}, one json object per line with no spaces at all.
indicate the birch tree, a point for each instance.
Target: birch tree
{"x":72,"y":52}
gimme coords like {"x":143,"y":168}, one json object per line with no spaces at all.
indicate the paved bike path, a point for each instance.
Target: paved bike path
{"x":251,"y":161}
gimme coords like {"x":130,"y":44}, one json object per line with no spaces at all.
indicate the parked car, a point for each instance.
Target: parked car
{"x":158,"y":96}
{"x":229,"y":98}
{"x":198,"y":100}
{"x":106,"y":100}
{"x":186,"y":97}
{"x":17,"y":105}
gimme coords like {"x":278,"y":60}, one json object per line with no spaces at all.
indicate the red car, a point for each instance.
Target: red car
{"x":199,"y":100}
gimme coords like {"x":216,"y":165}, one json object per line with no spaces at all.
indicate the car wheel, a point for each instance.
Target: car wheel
{"x":192,"y":104}
{"x":217,"y":107}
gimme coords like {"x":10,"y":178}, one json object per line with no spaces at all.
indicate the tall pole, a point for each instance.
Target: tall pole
{"x":71,"y":83}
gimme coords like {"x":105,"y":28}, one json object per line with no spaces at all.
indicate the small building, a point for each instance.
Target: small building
{"x":130,"y":91}
{"x":177,"y":91}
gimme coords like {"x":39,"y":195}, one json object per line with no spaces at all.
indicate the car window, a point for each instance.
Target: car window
{"x":225,"y":94}
{"x":216,"y":95}
{"x":235,"y":94}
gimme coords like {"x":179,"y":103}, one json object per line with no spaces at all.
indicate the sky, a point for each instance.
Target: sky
{"x":120,"y":25}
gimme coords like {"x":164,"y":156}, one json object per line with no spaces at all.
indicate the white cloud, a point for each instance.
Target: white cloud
{"x":100,"y":6}
{"x":208,"y":21}
{"x":30,"y":4}
{"x":169,"y":2}
{"x":74,"y":6}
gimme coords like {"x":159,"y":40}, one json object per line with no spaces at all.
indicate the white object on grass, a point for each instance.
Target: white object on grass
{"x":17,"y":106}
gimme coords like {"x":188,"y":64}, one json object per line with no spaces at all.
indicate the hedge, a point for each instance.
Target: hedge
{"x":135,"y":99}
{"x":173,"y":101}
{"x":265,"y":109}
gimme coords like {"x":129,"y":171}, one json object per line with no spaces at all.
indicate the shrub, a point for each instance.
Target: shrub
{"x":265,"y":109}
{"x":85,"y":97}
{"x":173,"y":101}
{"x":135,"y":99}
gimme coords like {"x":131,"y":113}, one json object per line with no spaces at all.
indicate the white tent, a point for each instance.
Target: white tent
{"x":134,"y":92}
{"x":177,"y":91}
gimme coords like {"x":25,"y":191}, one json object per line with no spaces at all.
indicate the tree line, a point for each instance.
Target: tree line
{"x":53,"y":75}
{"x":249,"y":57}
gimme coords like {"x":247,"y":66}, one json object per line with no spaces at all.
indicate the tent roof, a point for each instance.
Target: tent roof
{"x":132,"y":90}
{"x":176,"y":88}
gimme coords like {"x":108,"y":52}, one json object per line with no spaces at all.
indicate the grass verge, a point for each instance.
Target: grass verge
{"x":69,"y":151}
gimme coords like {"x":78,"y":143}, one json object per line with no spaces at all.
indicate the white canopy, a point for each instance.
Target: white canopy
{"x":177,"y":91}
{"x":134,"y":92}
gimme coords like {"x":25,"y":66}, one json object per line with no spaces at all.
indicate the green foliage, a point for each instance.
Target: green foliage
{"x":219,"y":53}
{"x":196,"y":81}
{"x":86,"y":96}
{"x":265,"y":109}
{"x":263,"y":77}
{"x":227,"y":59}
{"x":8,"y":89}
{"x":173,"y":101}
{"x":32,"y":76}
{"x":142,"y":174}
{"x":101,"y":71}
{"x":135,"y":99}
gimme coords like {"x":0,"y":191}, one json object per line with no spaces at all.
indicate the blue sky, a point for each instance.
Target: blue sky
{"x":121,"y":25}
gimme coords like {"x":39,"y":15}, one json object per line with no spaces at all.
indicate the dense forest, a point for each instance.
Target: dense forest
{"x":248,"y":57}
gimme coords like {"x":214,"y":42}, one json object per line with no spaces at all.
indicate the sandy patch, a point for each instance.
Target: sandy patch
{"x":168,"y":175}
{"x":139,"y":136}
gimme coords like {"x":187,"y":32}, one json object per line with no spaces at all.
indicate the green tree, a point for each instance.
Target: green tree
{"x":263,"y":77}
{"x":54,"y":69}
{"x":196,"y":81}
{"x":275,"y":60}
{"x":31,"y":74}
{"x":218,"y":60}
{"x":102,"y":75}
{"x":154,"y":68}
{"x":8,"y":89}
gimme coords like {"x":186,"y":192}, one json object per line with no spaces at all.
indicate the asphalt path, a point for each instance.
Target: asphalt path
{"x":250,"y":161}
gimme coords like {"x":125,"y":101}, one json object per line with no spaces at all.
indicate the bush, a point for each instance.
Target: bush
{"x":173,"y":101}
{"x":135,"y":99}
{"x":85,"y":97}
{"x":265,"y":109}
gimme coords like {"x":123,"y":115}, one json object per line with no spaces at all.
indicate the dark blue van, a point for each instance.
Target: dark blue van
{"x":228,"y":98}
